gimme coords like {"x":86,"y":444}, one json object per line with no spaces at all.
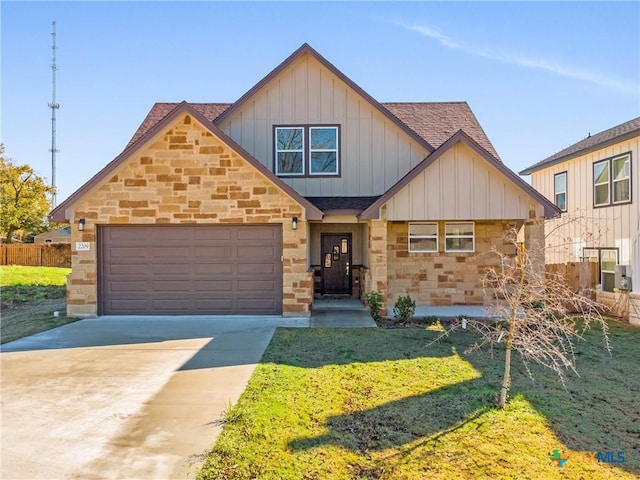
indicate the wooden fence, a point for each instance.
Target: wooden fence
{"x":580,"y":276}
{"x":36,"y":254}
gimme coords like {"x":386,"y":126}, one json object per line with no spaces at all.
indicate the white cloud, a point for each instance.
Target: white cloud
{"x":525,"y":61}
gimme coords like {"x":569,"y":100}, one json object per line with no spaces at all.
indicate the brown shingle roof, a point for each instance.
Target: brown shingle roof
{"x":592,"y":142}
{"x":160,"y":110}
{"x":435,"y":122}
{"x":373,"y":210}
{"x":353,"y":205}
{"x":59,"y":213}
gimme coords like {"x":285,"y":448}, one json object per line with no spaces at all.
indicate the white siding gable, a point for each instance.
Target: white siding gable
{"x":461,"y":185}
{"x":374,"y":153}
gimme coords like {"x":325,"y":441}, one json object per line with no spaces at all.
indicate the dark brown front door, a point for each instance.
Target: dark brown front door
{"x":336,"y":263}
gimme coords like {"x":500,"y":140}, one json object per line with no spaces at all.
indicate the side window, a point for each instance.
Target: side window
{"x":612,"y":181}
{"x":608,"y":262}
{"x":560,"y":190}
{"x":601,"y":183}
{"x":621,"y":167}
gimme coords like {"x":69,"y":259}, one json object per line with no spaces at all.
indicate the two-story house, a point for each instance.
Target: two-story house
{"x":305,"y":186}
{"x":594,"y":182}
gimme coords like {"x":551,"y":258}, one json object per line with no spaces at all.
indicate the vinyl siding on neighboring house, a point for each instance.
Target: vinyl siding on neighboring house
{"x":613,"y":226}
{"x":374,"y":152}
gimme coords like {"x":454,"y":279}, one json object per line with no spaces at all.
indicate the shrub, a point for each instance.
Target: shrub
{"x":374,"y":301}
{"x":430,"y":320}
{"x":404,"y":309}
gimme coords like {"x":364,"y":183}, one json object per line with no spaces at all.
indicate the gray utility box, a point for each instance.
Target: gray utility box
{"x":621,"y":280}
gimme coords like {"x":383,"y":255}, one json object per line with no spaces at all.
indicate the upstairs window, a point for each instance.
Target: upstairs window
{"x":560,"y":190}
{"x":621,"y":177}
{"x":423,"y":237}
{"x":289,"y":151}
{"x":612,"y":181}
{"x":323,"y":149}
{"x":307,"y":151}
{"x":459,"y":237}
{"x":601,"y":183}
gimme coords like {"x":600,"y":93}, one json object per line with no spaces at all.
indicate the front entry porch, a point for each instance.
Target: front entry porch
{"x":338,"y":254}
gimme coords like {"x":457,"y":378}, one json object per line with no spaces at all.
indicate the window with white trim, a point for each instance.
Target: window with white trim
{"x":423,"y":237}
{"x":612,"y":181}
{"x":306,"y":150}
{"x":560,"y":190}
{"x":459,"y":237}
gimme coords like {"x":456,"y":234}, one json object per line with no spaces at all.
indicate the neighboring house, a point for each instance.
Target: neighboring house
{"x":58,"y":235}
{"x":594,"y":182}
{"x":305,"y":186}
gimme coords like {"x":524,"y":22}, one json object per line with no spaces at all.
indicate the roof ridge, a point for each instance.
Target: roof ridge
{"x":447,"y":102}
{"x":599,"y":140}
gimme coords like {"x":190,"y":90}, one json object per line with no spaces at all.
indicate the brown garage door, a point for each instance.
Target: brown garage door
{"x":197,"y":270}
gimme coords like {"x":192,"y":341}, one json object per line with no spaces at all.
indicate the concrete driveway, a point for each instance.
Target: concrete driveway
{"x":124,"y":397}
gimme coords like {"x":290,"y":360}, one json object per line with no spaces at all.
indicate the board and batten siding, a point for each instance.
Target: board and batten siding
{"x":583,"y":225}
{"x":374,"y":152}
{"x":461,"y":185}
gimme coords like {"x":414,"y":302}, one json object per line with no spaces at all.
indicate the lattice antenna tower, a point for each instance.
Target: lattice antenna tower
{"x":53,"y":106}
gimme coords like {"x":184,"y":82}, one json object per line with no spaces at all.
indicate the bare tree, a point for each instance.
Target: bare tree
{"x":535,"y":313}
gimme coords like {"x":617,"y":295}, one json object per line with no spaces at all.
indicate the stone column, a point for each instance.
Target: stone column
{"x":534,"y":243}
{"x":378,"y":259}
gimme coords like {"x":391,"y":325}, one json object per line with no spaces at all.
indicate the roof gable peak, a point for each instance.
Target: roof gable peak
{"x":372,"y":211}
{"x":306,"y":49}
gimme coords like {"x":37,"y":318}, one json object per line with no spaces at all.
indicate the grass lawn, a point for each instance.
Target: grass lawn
{"x":28,"y":298}
{"x":378,"y":404}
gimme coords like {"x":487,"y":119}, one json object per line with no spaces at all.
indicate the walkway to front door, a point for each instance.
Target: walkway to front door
{"x":332,"y":312}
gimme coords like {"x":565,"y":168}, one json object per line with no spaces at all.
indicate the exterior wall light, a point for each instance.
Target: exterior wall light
{"x":81,"y":225}
{"x":294,"y":223}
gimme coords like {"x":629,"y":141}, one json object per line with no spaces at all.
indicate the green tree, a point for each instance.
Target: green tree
{"x":24,"y":201}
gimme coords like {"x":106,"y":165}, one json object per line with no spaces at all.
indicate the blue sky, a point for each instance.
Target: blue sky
{"x":539,"y":76}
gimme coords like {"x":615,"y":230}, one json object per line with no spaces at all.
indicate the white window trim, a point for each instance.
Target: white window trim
{"x":302,"y":150}
{"x":627,"y":158}
{"x":409,"y":237}
{"x":473,"y":238}
{"x":560,"y":192}
{"x":335,"y":150}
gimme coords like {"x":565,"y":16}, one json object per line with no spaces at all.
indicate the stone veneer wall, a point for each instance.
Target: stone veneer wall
{"x":375,"y":277}
{"x":188,"y":176}
{"x":443,"y":278}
